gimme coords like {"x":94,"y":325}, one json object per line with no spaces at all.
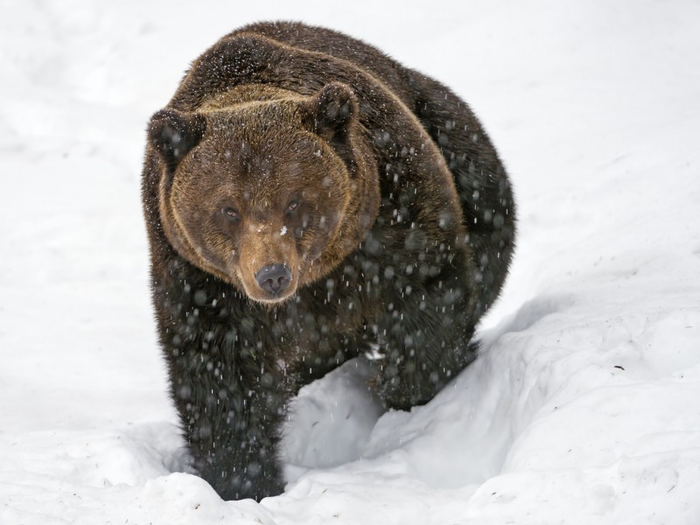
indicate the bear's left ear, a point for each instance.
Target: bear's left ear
{"x":174,"y":133}
{"x":331,"y":112}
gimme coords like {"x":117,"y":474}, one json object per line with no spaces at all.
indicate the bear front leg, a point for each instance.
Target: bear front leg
{"x":225,"y":381}
{"x":423,"y":341}
{"x":231,"y":411}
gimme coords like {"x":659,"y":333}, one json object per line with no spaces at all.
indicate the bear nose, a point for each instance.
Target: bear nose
{"x":274,"y":278}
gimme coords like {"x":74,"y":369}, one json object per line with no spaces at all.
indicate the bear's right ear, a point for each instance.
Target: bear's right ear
{"x":174,"y":133}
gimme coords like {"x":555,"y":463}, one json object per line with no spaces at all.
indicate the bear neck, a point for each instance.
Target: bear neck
{"x":240,"y":95}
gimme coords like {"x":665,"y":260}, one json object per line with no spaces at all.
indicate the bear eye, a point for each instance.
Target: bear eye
{"x":230,"y":213}
{"x":292,"y":206}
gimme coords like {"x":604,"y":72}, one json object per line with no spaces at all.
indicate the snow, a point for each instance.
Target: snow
{"x":583,"y":406}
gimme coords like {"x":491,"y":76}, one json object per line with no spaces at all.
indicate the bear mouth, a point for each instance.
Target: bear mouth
{"x":270,"y":298}
{"x":272,"y":301}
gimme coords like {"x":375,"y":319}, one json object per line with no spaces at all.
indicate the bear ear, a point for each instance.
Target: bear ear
{"x":174,"y":133}
{"x":331,"y":112}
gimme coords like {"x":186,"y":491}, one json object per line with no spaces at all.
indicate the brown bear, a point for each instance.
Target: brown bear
{"x":308,"y":200}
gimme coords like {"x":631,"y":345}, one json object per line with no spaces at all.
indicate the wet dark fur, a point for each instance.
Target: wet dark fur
{"x":414,"y":287}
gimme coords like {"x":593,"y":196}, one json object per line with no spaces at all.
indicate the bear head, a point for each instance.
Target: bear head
{"x":267,"y":194}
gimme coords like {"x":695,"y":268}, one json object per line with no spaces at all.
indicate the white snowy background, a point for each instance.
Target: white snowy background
{"x":584,"y":407}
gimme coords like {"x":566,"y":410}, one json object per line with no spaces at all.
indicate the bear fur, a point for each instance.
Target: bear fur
{"x":308,"y":200}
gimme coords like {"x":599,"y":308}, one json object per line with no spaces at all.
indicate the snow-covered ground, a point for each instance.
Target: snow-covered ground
{"x":584,"y":407}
